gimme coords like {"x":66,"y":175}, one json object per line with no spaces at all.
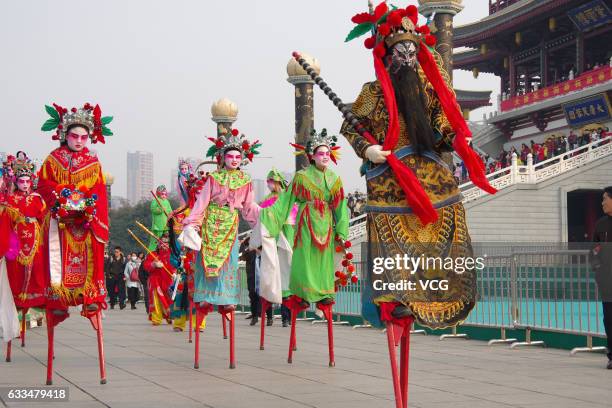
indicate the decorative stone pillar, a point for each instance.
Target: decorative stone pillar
{"x":445,"y":11}
{"x":304,"y":102}
{"x":224,"y":114}
{"x":109,"y":179}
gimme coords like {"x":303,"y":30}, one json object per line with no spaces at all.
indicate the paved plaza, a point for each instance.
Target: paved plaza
{"x":153,"y":367}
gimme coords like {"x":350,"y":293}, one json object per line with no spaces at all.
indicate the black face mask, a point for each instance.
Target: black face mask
{"x":411,"y":105}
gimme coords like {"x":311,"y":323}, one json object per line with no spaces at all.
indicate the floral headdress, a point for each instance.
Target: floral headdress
{"x":319,"y":139}
{"x":233,"y":140}
{"x":88,"y":116}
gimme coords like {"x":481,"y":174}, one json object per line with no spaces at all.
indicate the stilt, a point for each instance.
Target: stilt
{"x":264,"y":309}
{"x":100,"y":335}
{"x":24,"y":311}
{"x":292,"y":341}
{"x":50,"y":355}
{"x":190,"y":321}
{"x":8,"y":351}
{"x":327,"y":312}
{"x":398,"y":333}
{"x":201,"y":313}
{"x":228,"y":312}
{"x":294,"y":304}
{"x":224,"y":326}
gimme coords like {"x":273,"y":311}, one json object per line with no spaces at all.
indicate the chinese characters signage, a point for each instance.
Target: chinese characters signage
{"x":593,"y":109}
{"x":590,"y":15}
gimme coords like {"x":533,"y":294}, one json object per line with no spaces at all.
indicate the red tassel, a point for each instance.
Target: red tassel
{"x":417,"y":198}
{"x":471,"y":159}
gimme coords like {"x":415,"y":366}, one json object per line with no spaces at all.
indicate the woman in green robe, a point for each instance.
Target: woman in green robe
{"x":321,"y":217}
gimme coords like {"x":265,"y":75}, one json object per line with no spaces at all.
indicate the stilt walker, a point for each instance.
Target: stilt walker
{"x":26,"y":273}
{"x":72,"y":185}
{"x":399,"y":125}
{"x":275,"y":265}
{"x":9,"y":320}
{"x":322,"y":219}
{"x":161,"y":210}
{"x":215,"y":213}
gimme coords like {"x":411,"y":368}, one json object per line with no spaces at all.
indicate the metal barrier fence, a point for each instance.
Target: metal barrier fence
{"x":548,"y":290}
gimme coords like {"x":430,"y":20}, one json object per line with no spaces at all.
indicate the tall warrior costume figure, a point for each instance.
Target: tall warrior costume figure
{"x":160,"y":211}
{"x":161,"y":274}
{"x":72,"y":185}
{"x":399,"y":125}
{"x":227,"y":191}
{"x":26,"y":273}
{"x":183,"y":182}
{"x":322,"y":216}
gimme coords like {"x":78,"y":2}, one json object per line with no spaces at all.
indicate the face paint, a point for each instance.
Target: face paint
{"x":403,"y":53}
{"x":322,"y":157}
{"x":24,"y":184}
{"x":77,"y":138}
{"x":232,"y":159}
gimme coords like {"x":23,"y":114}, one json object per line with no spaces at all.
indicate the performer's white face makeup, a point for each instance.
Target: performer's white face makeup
{"x":77,"y":138}
{"x":24,"y":184}
{"x":321,"y":157}
{"x":184,"y":169}
{"x":232,"y":159}
{"x":274,"y":186}
{"x":162,"y":194}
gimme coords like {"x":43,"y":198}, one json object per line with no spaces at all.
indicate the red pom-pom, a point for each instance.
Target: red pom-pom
{"x":73,"y":110}
{"x":380,"y":50}
{"x":348,"y":244}
{"x":245,"y":145}
{"x":411,"y":10}
{"x":384,"y":29}
{"x":343,"y":283}
{"x":250,"y":156}
{"x":354,"y":279}
{"x":55,"y":137}
{"x":351,"y":268}
{"x":235,"y":132}
{"x":394,"y":18}
{"x":83,"y":189}
{"x":423,"y":30}
{"x":344,"y":263}
{"x":370,"y":43}
{"x":362,"y":18}
{"x":219,"y":144}
{"x":349,"y":256}
{"x":60,"y":127}
{"x":430,"y":40}
{"x":337,"y":274}
{"x":338,"y":249}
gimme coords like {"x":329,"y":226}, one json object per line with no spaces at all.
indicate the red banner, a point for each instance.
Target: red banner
{"x":586,"y":80}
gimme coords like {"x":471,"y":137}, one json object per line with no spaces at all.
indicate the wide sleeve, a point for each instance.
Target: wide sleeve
{"x":250,"y":209}
{"x":275,"y":216}
{"x":155,"y":208}
{"x":99,"y":224}
{"x":340,"y":210}
{"x":46,"y":183}
{"x":362,"y":108}
{"x":196,"y":216}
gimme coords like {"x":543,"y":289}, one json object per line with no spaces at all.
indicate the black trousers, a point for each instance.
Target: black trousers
{"x":133,"y":295}
{"x":254,"y":297}
{"x":145,"y":288}
{"x":116,"y":288}
{"x":607,"y":318}
{"x":285,"y":313}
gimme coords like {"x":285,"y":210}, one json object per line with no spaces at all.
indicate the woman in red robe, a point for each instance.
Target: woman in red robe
{"x":73,"y":186}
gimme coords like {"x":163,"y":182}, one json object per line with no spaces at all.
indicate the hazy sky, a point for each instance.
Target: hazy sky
{"x":157,"y":66}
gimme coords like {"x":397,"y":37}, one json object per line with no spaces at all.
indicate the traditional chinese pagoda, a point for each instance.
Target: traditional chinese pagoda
{"x":554,"y":61}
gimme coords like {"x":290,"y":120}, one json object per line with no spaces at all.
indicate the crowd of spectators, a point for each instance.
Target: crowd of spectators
{"x":552,"y":146}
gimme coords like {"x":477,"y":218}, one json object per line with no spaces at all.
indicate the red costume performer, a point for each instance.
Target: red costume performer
{"x":72,"y":184}
{"x":25,"y":212}
{"x":160,"y":280}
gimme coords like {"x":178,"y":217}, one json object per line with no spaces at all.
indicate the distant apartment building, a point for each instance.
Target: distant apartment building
{"x":139,"y":176}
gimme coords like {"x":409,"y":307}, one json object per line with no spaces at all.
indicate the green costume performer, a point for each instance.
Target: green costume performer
{"x":322,"y":214}
{"x":159,"y":215}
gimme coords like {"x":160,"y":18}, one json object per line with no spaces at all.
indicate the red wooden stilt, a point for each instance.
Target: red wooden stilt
{"x":398,"y":333}
{"x":264,"y":308}
{"x":396,"y":382}
{"x":224,"y":326}
{"x":50,"y":329}
{"x":23,"y":326}
{"x":100,"y":335}
{"x":201,"y":313}
{"x":8,"y":351}
{"x":327,"y":312}
{"x":232,"y":339}
{"x":292,"y":340}
{"x":190,"y":321}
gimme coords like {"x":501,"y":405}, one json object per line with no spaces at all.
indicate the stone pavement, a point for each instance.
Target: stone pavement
{"x":153,"y":367}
